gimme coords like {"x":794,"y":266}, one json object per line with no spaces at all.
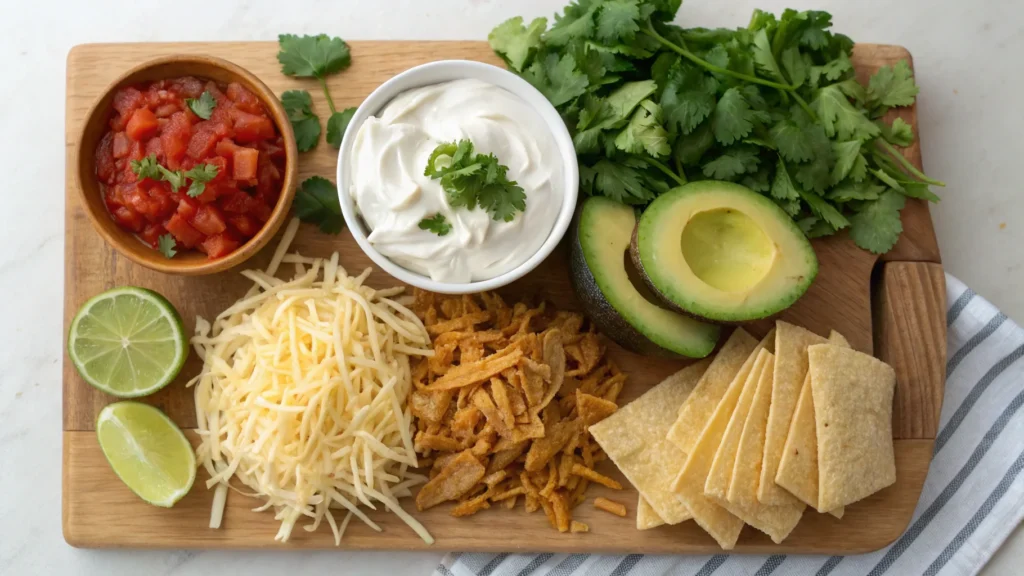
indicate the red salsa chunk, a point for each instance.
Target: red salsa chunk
{"x":198,"y":160}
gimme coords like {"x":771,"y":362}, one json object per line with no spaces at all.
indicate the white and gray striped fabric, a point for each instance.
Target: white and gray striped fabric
{"x":972,"y":499}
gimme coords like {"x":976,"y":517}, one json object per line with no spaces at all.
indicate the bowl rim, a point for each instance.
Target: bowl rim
{"x":116,"y":238}
{"x":445,"y":71}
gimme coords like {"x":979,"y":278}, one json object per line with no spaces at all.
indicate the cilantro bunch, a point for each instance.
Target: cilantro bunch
{"x":774,"y":106}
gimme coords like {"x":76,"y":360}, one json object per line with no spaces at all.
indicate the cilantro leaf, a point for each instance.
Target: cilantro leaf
{"x":437,"y":224}
{"x":848,"y":191}
{"x":783,"y":187}
{"x":733,"y":162}
{"x":892,"y":86}
{"x":175,"y":178}
{"x":202,"y":106}
{"x":815,"y":34}
{"x":791,"y":141}
{"x":824,"y":210}
{"x":688,"y":97}
{"x":899,"y":133}
{"x":838,"y":116}
{"x":615,"y":110}
{"x":316,"y":202}
{"x":794,"y":65}
{"x":146,"y":168}
{"x":617,"y":21}
{"x":688,"y":151}
{"x":200,"y":174}
{"x":860,"y":169}
{"x":835,"y":69}
{"x":759,"y":181}
{"x":575,"y":22}
{"x":298,"y":104}
{"x":620,"y":182}
{"x":557,"y":78}
{"x":732,"y":119}
{"x":337,"y":124}
{"x":763,"y":56}
{"x":919,"y":190}
{"x":516,"y":43}
{"x":877,"y":226}
{"x":165,"y":244}
{"x":469,"y":180}
{"x":644,"y":132}
{"x":846,"y":155}
{"x":312,"y":56}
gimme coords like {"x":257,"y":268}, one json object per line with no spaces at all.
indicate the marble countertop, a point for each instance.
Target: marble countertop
{"x":966,"y":58}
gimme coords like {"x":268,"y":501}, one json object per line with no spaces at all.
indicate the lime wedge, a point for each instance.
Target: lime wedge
{"x":128,"y":342}
{"x":147,"y":451}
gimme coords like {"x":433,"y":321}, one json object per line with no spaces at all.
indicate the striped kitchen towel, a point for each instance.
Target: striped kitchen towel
{"x":972,"y":499}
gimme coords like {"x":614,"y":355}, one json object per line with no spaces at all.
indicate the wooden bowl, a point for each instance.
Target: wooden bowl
{"x":191,"y":262}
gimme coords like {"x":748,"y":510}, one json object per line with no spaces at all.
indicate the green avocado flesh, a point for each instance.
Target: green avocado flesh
{"x":617,"y":306}
{"x":720,"y":251}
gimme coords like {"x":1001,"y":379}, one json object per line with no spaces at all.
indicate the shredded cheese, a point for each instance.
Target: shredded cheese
{"x":302,"y":395}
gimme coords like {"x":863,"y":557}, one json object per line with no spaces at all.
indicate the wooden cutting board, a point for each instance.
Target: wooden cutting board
{"x":894,"y":308}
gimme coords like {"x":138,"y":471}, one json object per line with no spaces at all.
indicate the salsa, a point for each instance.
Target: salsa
{"x":220,"y":156}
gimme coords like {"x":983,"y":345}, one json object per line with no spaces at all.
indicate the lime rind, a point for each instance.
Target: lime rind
{"x":140,"y":454}
{"x":101,"y":338}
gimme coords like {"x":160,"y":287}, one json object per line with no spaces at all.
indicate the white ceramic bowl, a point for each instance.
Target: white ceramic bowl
{"x":435,"y":73}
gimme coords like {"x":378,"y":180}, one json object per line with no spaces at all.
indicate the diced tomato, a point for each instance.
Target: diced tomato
{"x":220,"y":245}
{"x":155,"y":147}
{"x":165,"y":110}
{"x":245,"y":225}
{"x":187,"y":207}
{"x":121,"y":145}
{"x":158,"y":95}
{"x":215,"y":91}
{"x":251,"y":127}
{"x":209,"y":220}
{"x":151,"y":234}
{"x":243,"y":164}
{"x":105,"y":168}
{"x":183,"y":232}
{"x":126,"y":100}
{"x":260,"y":208}
{"x":205,"y":138}
{"x":141,"y":125}
{"x":188,"y":86}
{"x":273,"y":150}
{"x":244,"y":99}
{"x":175,"y":138}
{"x":128,"y":218}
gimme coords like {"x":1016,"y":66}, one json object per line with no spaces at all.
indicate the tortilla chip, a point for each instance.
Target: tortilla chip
{"x":483,"y":402}
{"x":798,"y":469}
{"x":461,"y":323}
{"x":456,"y":479}
{"x":716,"y":486}
{"x":731,"y":360}
{"x":554,"y":358}
{"x":476,"y":372}
{"x":610,"y":506}
{"x":852,"y":395}
{"x":502,"y":401}
{"x":543,"y":449}
{"x":721,"y":524}
{"x":634,"y":438}
{"x":791,"y":344}
{"x":593,"y":409}
{"x":430,"y":406}
{"x":646,"y":517}
{"x":776,"y":521}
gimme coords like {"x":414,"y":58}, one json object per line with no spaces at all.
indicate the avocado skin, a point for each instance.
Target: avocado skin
{"x":634,"y":255}
{"x":599,"y":310}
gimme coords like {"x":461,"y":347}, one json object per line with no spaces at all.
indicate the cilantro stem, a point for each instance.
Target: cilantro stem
{"x":330,"y":102}
{"x":907,"y":164}
{"x":649,"y":30}
{"x":679,"y":168}
{"x":664,"y":169}
{"x":803,"y":104}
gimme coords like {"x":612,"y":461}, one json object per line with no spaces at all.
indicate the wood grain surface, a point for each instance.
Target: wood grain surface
{"x":99,"y":511}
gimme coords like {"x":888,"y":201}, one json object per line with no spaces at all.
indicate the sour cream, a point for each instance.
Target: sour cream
{"x":392,"y":195}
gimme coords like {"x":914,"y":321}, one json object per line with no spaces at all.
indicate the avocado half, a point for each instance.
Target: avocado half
{"x":722,"y":252}
{"x":601,"y":281}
